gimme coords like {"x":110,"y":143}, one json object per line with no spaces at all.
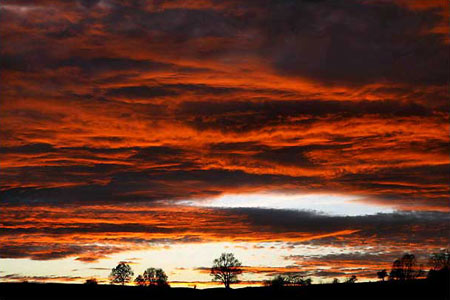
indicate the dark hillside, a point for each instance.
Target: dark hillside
{"x":418,"y":289}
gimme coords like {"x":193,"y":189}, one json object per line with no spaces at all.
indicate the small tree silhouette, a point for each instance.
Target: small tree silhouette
{"x":397,"y":271}
{"x":226,"y":268}
{"x":440,"y":267}
{"x":155,"y":277}
{"x":140,"y":281}
{"x":440,"y":260}
{"x":335,"y":281}
{"x":405,"y":268}
{"x":382,"y":274}
{"x":351,"y":279}
{"x":121,"y":274}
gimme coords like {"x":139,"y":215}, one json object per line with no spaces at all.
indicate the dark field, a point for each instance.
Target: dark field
{"x":418,"y":289}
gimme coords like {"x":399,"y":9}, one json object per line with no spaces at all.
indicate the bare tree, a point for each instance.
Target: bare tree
{"x":405,"y":268}
{"x":226,"y":268}
{"x":121,"y":274}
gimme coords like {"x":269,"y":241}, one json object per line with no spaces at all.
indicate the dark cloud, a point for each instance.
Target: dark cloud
{"x":107,"y":64}
{"x":291,"y":220}
{"x":356,"y":42}
{"x":175,"y":24}
{"x":151,"y":184}
{"x":295,"y":155}
{"x":29,"y":149}
{"x":159,"y":154}
{"x":351,"y":42}
{"x":407,"y":185}
{"x":245,"y":115}
{"x":389,"y":229}
{"x":41,"y":278}
{"x":89,"y":3}
{"x":132,"y":92}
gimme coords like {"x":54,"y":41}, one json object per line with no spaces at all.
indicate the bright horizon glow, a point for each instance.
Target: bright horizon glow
{"x":179,"y":261}
{"x":330,"y":204}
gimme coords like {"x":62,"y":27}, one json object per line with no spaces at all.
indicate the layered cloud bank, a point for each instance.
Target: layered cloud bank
{"x":115,"y":112}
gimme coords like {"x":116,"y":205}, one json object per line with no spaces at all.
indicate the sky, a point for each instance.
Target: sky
{"x":307,"y":137}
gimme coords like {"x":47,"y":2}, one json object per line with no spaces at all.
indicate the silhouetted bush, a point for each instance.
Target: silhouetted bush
{"x":382,"y":274}
{"x":276,"y":282}
{"x":288,"y":280}
{"x":91,"y":281}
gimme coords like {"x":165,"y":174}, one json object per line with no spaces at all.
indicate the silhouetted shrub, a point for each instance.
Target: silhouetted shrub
{"x":91,"y":281}
{"x":140,"y":281}
{"x":382,"y":274}
{"x":288,"y":280}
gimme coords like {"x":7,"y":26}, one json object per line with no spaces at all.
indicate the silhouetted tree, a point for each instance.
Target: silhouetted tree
{"x":351,"y":279}
{"x":382,"y":274}
{"x":226,"y":268}
{"x":335,"y":281}
{"x":440,"y":260}
{"x":396,"y":271}
{"x":91,"y":281}
{"x":121,"y":274}
{"x":440,"y":267}
{"x":155,"y":277}
{"x":140,"y":281}
{"x":405,"y":268}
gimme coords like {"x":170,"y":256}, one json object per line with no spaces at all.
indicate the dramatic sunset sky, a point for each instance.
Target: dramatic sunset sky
{"x":303,"y":136}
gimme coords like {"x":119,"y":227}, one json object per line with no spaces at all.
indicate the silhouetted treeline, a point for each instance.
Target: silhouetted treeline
{"x":227,"y":267}
{"x":407,"y":280}
{"x":407,"y":268}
